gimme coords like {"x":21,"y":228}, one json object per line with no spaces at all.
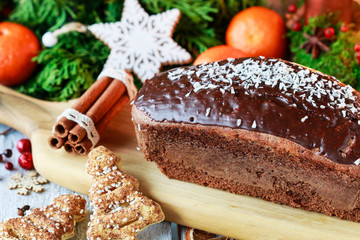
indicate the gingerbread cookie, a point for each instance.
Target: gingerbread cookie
{"x":121,"y":211}
{"x":55,"y":221}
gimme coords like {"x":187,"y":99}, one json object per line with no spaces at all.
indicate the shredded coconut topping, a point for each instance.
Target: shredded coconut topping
{"x":257,"y":73}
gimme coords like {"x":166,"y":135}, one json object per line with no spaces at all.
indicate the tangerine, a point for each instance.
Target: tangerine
{"x":18,"y":45}
{"x":257,"y":31}
{"x":218,"y":53}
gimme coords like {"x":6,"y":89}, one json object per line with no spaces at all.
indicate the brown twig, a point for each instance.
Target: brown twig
{"x":6,"y":131}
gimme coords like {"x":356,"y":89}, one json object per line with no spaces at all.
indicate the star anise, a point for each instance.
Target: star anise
{"x":316,"y":43}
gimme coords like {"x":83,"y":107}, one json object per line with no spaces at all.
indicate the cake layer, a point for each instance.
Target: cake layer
{"x":263,"y":95}
{"x":250,"y":163}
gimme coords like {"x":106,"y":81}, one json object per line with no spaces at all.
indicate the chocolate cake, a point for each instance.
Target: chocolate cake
{"x":266,"y":128}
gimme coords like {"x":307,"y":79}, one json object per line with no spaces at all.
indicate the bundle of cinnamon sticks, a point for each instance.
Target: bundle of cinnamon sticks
{"x":100,"y":102}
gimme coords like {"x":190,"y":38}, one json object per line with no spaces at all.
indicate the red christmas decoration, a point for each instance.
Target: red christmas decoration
{"x":24,"y":145}
{"x":26,"y":161}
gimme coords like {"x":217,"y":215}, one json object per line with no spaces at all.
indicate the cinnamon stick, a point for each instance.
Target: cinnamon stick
{"x":108,"y":98}
{"x":69,"y":147}
{"x":56,"y":142}
{"x":63,"y":126}
{"x":85,"y":145}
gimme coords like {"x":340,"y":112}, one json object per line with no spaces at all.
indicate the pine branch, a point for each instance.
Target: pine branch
{"x":40,"y":15}
{"x":69,"y":68}
{"x":66,"y":70}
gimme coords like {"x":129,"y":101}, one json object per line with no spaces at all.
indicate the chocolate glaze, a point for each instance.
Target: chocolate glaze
{"x":263,"y":108}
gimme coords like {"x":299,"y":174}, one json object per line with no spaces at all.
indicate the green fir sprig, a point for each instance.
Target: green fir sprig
{"x":69,"y":68}
{"x":66,"y":71}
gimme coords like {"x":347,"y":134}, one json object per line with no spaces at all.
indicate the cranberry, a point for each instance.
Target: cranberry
{"x":24,"y":145}
{"x":9,"y":166}
{"x":26,"y":161}
{"x":8,"y":153}
{"x":357,"y":56}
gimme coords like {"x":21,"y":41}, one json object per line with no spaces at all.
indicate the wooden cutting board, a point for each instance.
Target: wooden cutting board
{"x":240,"y":217}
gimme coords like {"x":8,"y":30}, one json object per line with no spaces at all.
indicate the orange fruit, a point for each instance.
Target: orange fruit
{"x":218,"y":53}
{"x":18,"y":45}
{"x":257,"y":31}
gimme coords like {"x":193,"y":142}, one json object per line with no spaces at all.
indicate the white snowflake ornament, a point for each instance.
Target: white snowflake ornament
{"x":24,"y":183}
{"x":141,"y":43}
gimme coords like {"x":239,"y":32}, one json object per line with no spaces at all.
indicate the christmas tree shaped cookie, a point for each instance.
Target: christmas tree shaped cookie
{"x":53,"y":222}
{"x":121,"y":211}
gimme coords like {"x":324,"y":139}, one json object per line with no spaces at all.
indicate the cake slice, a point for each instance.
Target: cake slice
{"x":266,"y":128}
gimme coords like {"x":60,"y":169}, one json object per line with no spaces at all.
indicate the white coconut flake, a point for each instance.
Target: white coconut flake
{"x":304,"y":119}
{"x":357,"y":162}
{"x":208,"y":110}
{"x":253,"y":124}
{"x":238,"y":122}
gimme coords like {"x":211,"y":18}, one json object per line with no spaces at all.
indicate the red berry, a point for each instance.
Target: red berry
{"x":26,"y":161}
{"x":344,"y":28}
{"x":297,"y":26}
{"x":357,"y":47}
{"x":357,"y":56}
{"x":24,"y":145}
{"x":1,"y":158}
{"x":8,"y":153}
{"x":9,"y":166}
{"x":329,"y":32}
{"x":292,"y":8}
